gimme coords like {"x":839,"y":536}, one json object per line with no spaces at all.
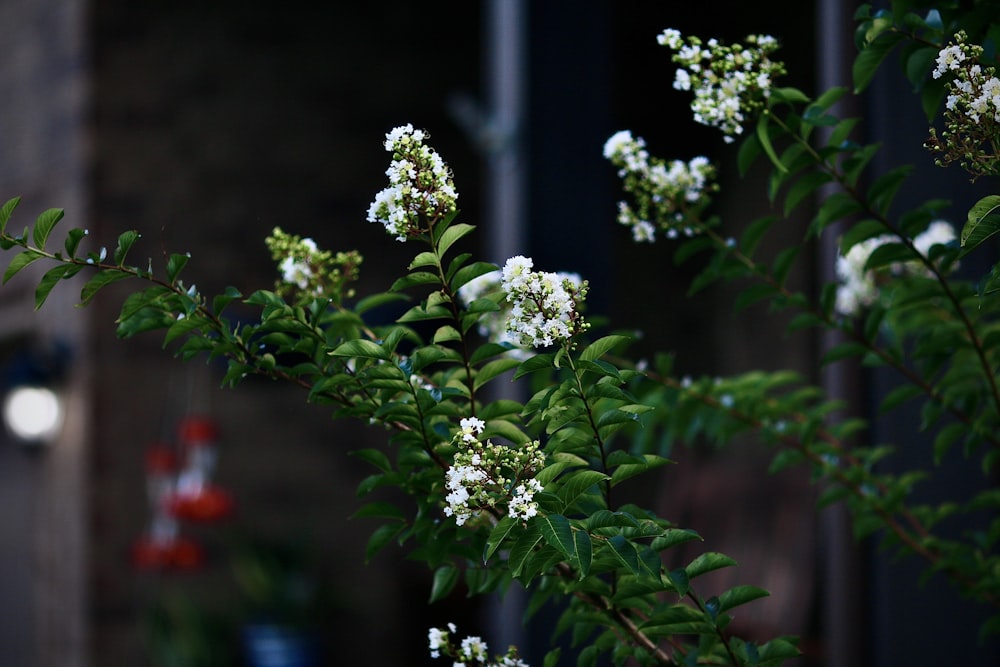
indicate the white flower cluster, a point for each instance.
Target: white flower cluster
{"x":472,"y":650}
{"x":522,"y":504}
{"x":665,"y":192}
{"x":493,"y":325}
{"x":975,"y":91}
{"x":488,"y":474}
{"x":972,"y":110}
{"x":297,"y":269}
{"x":544,"y":306}
{"x":420,"y":185}
{"x":730,"y":83}
{"x":858,"y":287}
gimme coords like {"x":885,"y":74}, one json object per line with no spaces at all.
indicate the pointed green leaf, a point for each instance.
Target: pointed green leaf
{"x":5,"y":212}
{"x":98,"y":282}
{"x":584,"y":550}
{"x":868,"y":61}
{"x":376,"y":457}
{"x":125,"y":242}
{"x":175,"y":263}
{"x":523,"y":549}
{"x":360,"y":348}
{"x":497,"y":536}
{"x":379,"y":510}
{"x":578,"y":483}
{"x":625,"y":552}
{"x":557,"y":532}
{"x":493,"y":369}
{"x":425,"y":258}
{"x":380,"y":538}
{"x":764,"y":137}
{"x":707,"y":562}
{"x":19,"y":262}
{"x":44,"y":224}
{"x":446,"y":333}
{"x":452,"y":234}
{"x":539,"y":362}
{"x":739,"y":595}
{"x":49,"y":280}
{"x":599,"y":347}
{"x":445,"y":578}
{"x":73,"y":239}
{"x":982,"y":223}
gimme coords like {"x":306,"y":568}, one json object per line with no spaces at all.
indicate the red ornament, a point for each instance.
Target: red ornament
{"x":209,"y":503}
{"x":180,"y":553}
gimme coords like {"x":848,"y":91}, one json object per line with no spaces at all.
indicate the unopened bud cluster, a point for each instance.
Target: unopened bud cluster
{"x":486,"y":475}
{"x":307,"y":269}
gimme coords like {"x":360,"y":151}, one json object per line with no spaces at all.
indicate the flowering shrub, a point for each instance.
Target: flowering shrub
{"x":501,"y":490}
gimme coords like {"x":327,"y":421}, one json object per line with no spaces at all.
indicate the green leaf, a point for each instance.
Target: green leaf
{"x":884,"y":189}
{"x":739,"y":595}
{"x":625,"y":552}
{"x":73,"y":239}
{"x":471,"y":272}
{"x":764,"y":137}
{"x":19,"y":262}
{"x":497,"y":536}
{"x":98,"y":282}
{"x":376,"y":457}
{"x":494,"y":368}
{"x":377,"y":300}
{"x":445,"y":578}
{"x":523,"y":549}
{"x":599,"y":347}
{"x":577,"y":484}
{"x":183,"y":326}
{"x":868,"y":61}
{"x":534,"y":364}
{"x":125,"y":242}
{"x":5,"y":212}
{"x":583,"y":549}
{"x":557,"y":532}
{"x":804,"y":187}
{"x":982,"y":223}
{"x":425,"y":258}
{"x":708,"y":562}
{"x":452,"y":234}
{"x":175,"y":263}
{"x":50,"y":279}
{"x":888,"y":253}
{"x":44,"y":224}
{"x":379,"y":510}
{"x":360,"y":348}
{"x":446,"y":333}
{"x":789,"y":95}
{"x":749,"y":150}
{"x":380,"y":538}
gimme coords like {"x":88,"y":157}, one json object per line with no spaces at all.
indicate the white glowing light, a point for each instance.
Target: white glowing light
{"x":32,"y":413}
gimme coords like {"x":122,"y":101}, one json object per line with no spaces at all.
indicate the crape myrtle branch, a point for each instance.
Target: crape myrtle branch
{"x":916,"y":537}
{"x":834,"y":170}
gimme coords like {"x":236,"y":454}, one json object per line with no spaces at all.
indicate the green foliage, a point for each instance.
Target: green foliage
{"x":600,"y":422}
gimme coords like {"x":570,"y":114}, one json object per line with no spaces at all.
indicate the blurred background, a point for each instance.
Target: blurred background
{"x":203,"y":126}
